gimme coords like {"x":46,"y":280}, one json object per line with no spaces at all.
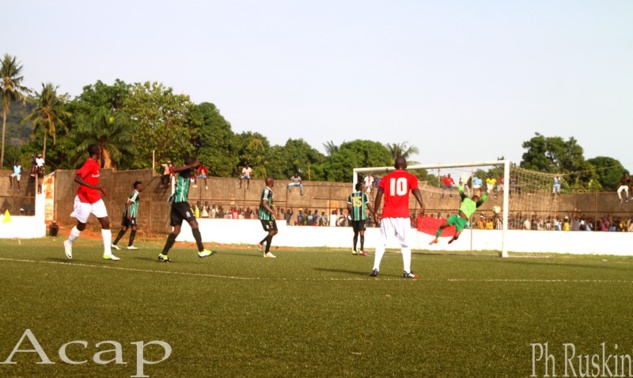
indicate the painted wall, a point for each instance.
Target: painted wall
{"x":24,"y":226}
{"x":250,"y":232}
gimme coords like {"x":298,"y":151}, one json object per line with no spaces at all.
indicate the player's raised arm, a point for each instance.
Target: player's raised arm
{"x":192,"y":165}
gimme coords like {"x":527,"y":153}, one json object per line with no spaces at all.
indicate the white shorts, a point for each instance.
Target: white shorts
{"x":17,"y":176}
{"x":398,"y":227}
{"x":82,"y":210}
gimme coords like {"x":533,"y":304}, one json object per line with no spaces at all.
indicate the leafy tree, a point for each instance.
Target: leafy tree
{"x":608,"y":170}
{"x":101,"y":95}
{"x":113,"y":133}
{"x":217,"y":143}
{"x":355,"y":154}
{"x":254,"y":150}
{"x":298,"y":156}
{"x":276,"y":163}
{"x":163,"y":124}
{"x":555,"y":155}
{"x":12,"y":90}
{"x":402,"y":149}
{"x":49,"y":113}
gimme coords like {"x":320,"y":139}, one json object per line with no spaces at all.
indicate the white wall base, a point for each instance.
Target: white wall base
{"x":25,"y":227}
{"x":250,"y":232}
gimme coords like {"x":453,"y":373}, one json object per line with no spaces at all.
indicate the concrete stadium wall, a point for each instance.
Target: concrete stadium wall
{"x":24,"y":226}
{"x":250,"y":232}
{"x":324,"y":196}
{"x":154,"y":215}
{"x":154,"y":208}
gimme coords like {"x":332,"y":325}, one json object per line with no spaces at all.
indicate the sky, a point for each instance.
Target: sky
{"x":460,"y":80}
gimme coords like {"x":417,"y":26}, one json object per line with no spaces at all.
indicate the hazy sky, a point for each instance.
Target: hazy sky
{"x":461,"y":80}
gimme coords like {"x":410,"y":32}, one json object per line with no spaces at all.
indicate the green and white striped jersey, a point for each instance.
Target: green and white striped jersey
{"x":133,"y":200}
{"x":267,"y":197}
{"x":181,"y":194}
{"x":359,"y":201}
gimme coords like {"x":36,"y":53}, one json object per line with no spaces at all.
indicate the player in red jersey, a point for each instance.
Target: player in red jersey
{"x":88,"y":201}
{"x":395,"y":221}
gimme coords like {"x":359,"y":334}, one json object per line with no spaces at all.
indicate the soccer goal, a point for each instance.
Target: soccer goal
{"x":486,"y":228}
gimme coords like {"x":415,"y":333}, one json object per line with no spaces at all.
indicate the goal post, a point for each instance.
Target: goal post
{"x":473,"y":175}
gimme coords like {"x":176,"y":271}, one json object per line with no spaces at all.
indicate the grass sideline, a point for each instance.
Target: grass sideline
{"x":310,"y":312}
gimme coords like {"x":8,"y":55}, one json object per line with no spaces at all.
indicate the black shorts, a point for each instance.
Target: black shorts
{"x":358,"y":225}
{"x":181,"y":211}
{"x":269,"y":225}
{"x":128,"y":222}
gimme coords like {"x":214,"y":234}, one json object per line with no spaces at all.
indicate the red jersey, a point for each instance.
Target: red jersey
{"x":396,"y":187}
{"x":448,"y":181}
{"x":90,"y":173}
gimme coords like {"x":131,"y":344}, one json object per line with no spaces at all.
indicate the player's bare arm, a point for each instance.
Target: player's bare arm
{"x":418,"y":197}
{"x":79,"y":180}
{"x":185,"y":167}
{"x":377,"y":203}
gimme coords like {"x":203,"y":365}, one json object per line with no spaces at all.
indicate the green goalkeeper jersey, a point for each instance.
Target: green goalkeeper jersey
{"x":469,"y":206}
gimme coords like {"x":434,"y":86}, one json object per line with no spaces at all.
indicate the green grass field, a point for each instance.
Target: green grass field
{"x":309,"y":313}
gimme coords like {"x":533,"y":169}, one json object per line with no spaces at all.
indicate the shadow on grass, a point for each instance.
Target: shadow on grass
{"x":343,"y":271}
{"x":570,"y":264}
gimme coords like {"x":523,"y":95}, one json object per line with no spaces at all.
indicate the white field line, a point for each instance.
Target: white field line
{"x":208,"y":275}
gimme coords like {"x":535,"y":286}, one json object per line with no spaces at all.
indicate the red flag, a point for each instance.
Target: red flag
{"x":430,"y":225}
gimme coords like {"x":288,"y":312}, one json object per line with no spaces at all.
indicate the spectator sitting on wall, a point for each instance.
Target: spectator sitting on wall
{"x":296,"y":181}
{"x":368,"y":182}
{"x":246,"y":175}
{"x":448,"y":183}
{"x":202,"y":174}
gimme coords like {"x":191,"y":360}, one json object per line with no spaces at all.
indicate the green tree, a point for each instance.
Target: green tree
{"x":608,"y":170}
{"x":163,"y":124}
{"x":402,"y":149}
{"x":217,"y":143}
{"x":101,"y":95}
{"x":49,"y":113}
{"x":12,"y":90}
{"x":330,"y":148}
{"x":355,"y":154}
{"x":555,"y":155}
{"x":254,"y":150}
{"x":114,"y":133}
{"x":298,"y":156}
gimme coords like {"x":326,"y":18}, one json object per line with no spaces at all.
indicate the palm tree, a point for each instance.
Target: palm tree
{"x":330,"y":148}
{"x":113,"y":132}
{"x":402,"y":149}
{"x":48,"y":114}
{"x":12,"y":90}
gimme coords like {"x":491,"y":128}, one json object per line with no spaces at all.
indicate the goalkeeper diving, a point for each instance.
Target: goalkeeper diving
{"x":466,"y":210}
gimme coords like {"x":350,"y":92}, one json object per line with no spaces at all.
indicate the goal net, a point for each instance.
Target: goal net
{"x":486,"y":227}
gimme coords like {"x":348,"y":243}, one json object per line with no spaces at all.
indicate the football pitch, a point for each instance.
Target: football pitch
{"x":308,"y":313}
